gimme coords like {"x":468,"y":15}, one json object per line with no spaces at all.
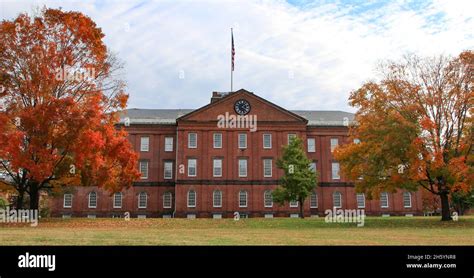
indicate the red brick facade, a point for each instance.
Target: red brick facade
{"x":271,"y":119}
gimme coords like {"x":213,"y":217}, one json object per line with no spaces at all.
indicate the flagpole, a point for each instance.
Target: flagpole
{"x":231,"y":60}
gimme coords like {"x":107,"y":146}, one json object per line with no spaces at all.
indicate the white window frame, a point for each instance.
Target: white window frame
{"x":335,"y":175}
{"x":217,"y":194}
{"x":268,"y":194}
{"x":89,"y":199}
{"x":246,"y":194}
{"x":214,"y":167}
{"x":170,"y":170}
{"x":384,"y":200}
{"x":294,"y":204}
{"x":290,"y":135}
{"x":311,"y":146}
{"x":70,"y":200}
{"x":239,"y":168}
{"x":169,"y":144}
{"x":406,"y":193}
{"x":270,"y":140}
{"x":140,"y":206}
{"x":239,"y":141}
{"x":215,"y":141}
{"x":195,"y":167}
{"x":194,"y":199}
{"x":334,"y":142}
{"x":145,"y":143}
{"x":190,"y":146}
{"x":315,"y":168}
{"x":167,"y":195}
{"x":115,"y":205}
{"x":143,"y":176}
{"x":337,"y":197}
{"x":360,"y":200}
{"x":313,"y":199}
{"x":265,"y":167}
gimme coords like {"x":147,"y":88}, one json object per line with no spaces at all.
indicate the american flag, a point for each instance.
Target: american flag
{"x":233,"y":50}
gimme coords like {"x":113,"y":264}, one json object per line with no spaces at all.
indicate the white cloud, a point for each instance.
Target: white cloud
{"x":301,"y":57}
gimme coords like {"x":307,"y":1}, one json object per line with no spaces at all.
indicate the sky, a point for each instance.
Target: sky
{"x":302,"y":55}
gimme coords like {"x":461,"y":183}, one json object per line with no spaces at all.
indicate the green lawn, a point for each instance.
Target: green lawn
{"x":277,"y":231}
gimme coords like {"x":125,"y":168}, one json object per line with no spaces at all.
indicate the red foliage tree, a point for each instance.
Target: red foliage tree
{"x":415,"y":128}
{"x":60,"y":105}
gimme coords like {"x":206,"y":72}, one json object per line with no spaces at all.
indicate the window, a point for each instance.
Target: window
{"x":144,"y":144}
{"x":168,"y":144}
{"x":337,"y":199}
{"x":293,"y":204}
{"x":67,"y":201}
{"x":267,"y":141}
{"x":312,"y":166}
{"x":406,"y":199}
{"x":217,"y":199}
{"x":217,"y":140}
{"x":267,"y":168}
{"x":242,"y":141}
{"x":144,"y":169}
{"x":291,"y":136}
{"x":191,"y":199}
{"x":384,"y":200}
{"x":345,"y":121}
{"x":268,"y":199}
{"x":192,"y":167}
{"x":242,"y":168}
{"x":167,"y":200}
{"x":334,"y":143}
{"x":356,"y":141}
{"x":118,"y":200}
{"x":192,"y":140}
{"x":217,"y":168}
{"x":311,"y":145}
{"x":360,"y":197}
{"x":142,"y":200}
{"x":168,"y":167}
{"x":335,"y":171}
{"x":313,"y":200}
{"x":92,"y":200}
{"x":243,"y":199}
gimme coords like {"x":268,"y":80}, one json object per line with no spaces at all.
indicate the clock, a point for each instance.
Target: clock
{"x":242,"y":107}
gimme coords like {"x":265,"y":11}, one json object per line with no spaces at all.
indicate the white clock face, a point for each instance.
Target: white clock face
{"x":242,"y":107}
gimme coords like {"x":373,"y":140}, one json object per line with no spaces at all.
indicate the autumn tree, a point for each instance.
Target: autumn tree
{"x":299,"y":179}
{"x":61,"y":100}
{"x":414,"y":128}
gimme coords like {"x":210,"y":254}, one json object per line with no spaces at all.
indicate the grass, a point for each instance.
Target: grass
{"x":277,"y":231}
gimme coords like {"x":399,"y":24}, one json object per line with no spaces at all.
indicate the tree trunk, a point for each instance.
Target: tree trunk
{"x":445,"y":214}
{"x":20,"y":199}
{"x":301,"y":208}
{"x":34,"y":196}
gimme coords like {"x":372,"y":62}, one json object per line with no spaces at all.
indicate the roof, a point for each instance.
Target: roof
{"x":153,"y":116}
{"x":169,"y":116}
{"x":325,"y":118}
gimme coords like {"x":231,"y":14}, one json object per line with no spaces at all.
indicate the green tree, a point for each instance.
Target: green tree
{"x":462,"y":201}
{"x":299,"y":180}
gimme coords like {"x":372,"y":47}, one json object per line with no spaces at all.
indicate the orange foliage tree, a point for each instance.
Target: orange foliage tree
{"x":60,"y":101}
{"x":414,"y":128}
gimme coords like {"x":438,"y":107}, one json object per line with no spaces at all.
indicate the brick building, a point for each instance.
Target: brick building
{"x":221,"y":158}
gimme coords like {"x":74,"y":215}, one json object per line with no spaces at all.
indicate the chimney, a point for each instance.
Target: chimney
{"x":217,"y":95}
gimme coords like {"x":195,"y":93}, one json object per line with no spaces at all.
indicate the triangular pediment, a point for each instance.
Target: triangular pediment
{"x":265,"y":110}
